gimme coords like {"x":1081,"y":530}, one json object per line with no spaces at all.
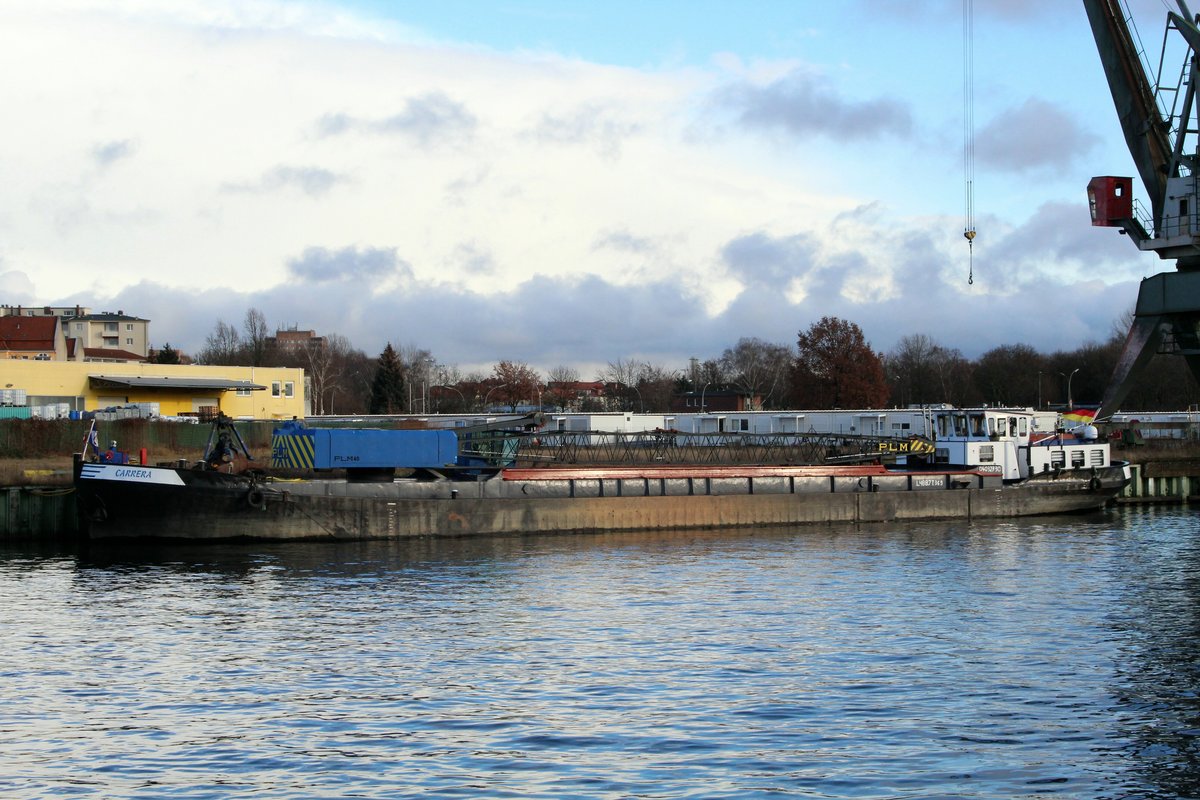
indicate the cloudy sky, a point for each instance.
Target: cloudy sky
{"x":562,"y":182}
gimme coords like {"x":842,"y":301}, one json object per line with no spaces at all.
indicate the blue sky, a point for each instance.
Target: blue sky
{"x":563,"y":183}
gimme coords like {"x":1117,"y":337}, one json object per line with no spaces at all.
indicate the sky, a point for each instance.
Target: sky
{"x":564,"y":183}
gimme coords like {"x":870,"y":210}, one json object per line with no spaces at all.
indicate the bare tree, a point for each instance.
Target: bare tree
{"x":325,"y":362}
{"x":420,"y":373}
{"x":559,"y":390}
{"x":620,"y":378}
{"x":639,"y":385}
{"x":758,"y":368}
{"x":256,"y":332}
{"x":656,"y":386}
{"x":222,"y":346}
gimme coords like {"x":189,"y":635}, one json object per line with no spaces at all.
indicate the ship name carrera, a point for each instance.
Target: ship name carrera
{"x":136,"y":474}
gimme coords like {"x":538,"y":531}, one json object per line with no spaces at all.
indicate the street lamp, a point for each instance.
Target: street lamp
{"x":461,"y":398}
{"x":702,"y":391}
{"x":1070,"y":405}
{"x":641,"y":406}
{"x":489,"y":394}
{"x":426,"y":363}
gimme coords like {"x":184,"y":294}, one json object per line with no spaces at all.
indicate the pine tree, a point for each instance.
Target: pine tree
{"x":168,"y":355}
{"x":387,"y":388}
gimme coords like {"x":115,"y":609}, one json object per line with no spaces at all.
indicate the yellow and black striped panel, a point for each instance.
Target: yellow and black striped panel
{"x":292,"y":450}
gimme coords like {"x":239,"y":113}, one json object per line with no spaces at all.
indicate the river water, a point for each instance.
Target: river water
{"x":985,"y":660}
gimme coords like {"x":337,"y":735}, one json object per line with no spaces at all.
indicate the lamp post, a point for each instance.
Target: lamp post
{"x":426,"y":363}
{"x":702,"y":391}
{"x":461,"y":398}
{"x":641,"y":406}
{"x":489,"y":394}
{"x":1070,"y":405}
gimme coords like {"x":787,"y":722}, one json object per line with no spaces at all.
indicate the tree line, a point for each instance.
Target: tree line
{"x":831,"y":365}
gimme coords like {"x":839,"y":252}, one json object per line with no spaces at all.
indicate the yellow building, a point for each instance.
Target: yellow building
{"x":239,"y":392}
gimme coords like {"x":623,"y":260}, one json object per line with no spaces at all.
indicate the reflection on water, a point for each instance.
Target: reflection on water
{"x":991,"y":660}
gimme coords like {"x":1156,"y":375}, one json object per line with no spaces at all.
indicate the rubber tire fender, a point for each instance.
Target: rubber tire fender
{"x":256,"y":499}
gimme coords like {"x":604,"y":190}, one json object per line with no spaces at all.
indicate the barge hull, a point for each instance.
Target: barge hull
{"x":185,"y":504}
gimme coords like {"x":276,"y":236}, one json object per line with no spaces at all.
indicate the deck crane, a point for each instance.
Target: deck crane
{"x":1161,"y":123}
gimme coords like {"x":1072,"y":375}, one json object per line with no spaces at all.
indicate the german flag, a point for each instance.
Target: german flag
{"x":1081,"y":416}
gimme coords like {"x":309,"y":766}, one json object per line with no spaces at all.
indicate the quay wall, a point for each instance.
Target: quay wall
{"x":1163,"y":482}
{"x":37,"y":513}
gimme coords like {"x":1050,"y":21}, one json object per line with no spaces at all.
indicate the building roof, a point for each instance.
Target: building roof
{"x":110,"y":354}
{"x":28,"y":333}
{"x":137,"y":382}
{"x":108,"y":316}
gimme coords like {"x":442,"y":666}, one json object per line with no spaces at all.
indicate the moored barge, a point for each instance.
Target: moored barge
{"x":978,"y":463}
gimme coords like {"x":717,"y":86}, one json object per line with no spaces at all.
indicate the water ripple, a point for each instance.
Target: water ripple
{"x":1051,"y":657}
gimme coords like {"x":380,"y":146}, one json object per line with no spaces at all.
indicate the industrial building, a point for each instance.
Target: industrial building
{"x":61,"y":388}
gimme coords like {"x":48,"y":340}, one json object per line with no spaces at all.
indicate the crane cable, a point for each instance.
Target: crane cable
{"x":969,"y":131}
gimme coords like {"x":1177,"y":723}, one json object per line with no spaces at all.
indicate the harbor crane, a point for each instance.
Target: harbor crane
{"x":1161,"y":122}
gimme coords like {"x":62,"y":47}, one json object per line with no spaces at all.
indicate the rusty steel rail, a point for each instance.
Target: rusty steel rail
{"x":559,"y":448}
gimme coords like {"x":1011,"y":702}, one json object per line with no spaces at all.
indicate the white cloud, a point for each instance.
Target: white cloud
{"x":185,"y":160}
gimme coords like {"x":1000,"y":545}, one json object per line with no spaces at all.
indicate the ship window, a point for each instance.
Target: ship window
{"x":1058,"y":459}
{"x":1097,"y":458}
{"x":941,"y":455}
{"x":960,"y":425}
{"x":1077,"y":458}
{"x":1024,"y":426}
{"x":1001,"y":427}
{"x":987,"y":454}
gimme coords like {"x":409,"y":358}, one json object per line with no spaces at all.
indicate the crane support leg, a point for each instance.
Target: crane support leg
{"x":1168,"y":305}
{"x":1145,"y":335}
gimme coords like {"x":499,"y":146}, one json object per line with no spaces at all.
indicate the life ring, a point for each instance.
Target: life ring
{"x":256,"y":499}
